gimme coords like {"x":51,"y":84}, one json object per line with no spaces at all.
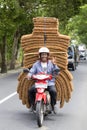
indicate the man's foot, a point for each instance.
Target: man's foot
{"x":32,"y":108}
{"x":54,"y":109}
{"x":48,"y":110}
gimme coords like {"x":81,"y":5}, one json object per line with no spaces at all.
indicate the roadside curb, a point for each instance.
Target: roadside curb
{"x":10,"y":72}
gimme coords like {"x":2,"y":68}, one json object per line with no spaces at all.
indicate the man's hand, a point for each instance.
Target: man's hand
{"x":28,"y":77}
{"x":54,"y":60}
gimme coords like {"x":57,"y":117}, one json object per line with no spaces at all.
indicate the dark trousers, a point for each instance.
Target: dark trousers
{"x":32,"y":93}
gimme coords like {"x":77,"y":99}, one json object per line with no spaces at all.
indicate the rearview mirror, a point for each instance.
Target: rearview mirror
{"x":26,"y":70}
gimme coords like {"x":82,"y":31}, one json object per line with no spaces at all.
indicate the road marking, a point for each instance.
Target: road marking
{"x":8,"y":97}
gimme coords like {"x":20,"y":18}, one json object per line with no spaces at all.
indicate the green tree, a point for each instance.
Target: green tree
{"x":4,"y":32}
{"x":11,"y":18}
{"x":63,"y":10}
{"x":77,"y":25}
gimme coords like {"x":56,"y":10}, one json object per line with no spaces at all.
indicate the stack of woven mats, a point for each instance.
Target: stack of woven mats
{"x":46,"y":28}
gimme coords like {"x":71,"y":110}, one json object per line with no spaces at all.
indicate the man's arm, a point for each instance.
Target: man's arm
{"x":56,"y":69}
{"x":32,"y":71}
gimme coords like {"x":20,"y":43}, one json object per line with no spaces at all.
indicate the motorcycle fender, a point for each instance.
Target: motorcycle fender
{"x":40,"y":96}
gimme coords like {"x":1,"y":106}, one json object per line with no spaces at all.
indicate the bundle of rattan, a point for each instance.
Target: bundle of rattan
{"x":58,"y":45}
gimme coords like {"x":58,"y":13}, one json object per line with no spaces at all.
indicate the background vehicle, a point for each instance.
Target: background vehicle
{"x":82,"y":52}
{"x":72,"y":57}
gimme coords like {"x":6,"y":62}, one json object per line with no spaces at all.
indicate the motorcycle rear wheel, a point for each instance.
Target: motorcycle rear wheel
{"x":39,"y":113}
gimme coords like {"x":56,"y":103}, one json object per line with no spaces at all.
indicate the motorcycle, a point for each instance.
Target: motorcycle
{"x":42,"y":100}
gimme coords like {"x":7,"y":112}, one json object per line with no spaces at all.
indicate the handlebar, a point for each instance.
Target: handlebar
{"x":55,"y":73}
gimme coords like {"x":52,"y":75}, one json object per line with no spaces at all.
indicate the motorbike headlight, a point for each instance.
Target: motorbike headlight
{"x":40,"y":90}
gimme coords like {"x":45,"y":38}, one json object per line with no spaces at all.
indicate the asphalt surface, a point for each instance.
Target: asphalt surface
{"x":73,"y":116}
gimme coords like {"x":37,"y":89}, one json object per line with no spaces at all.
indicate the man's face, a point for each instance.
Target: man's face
{"x":44,"y":57}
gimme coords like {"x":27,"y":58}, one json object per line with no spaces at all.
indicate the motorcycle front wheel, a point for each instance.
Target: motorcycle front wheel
{"x":39,"y":113}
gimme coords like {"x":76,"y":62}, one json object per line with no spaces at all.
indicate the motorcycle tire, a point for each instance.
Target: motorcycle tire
{"x":39,"y":113}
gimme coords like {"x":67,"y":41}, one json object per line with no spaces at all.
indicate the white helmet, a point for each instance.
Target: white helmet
{"x":44,"y":49}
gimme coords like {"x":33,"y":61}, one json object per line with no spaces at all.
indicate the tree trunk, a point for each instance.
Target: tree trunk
{"x":3,"y":55}
{"x":14,"y":50}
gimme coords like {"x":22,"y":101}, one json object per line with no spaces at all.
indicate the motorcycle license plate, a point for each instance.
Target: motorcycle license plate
{"x":40,"y":85}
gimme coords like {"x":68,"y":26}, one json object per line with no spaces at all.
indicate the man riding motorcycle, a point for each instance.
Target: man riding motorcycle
{"x":47,"y":66}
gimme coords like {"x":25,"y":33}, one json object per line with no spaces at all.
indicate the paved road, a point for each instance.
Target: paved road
{"x":73,"y":116}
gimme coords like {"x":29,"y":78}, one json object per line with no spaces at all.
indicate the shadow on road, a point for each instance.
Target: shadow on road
{"x":28,"y":119}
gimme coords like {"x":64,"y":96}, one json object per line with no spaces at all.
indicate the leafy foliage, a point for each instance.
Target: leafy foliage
{"x":77,"y":25}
